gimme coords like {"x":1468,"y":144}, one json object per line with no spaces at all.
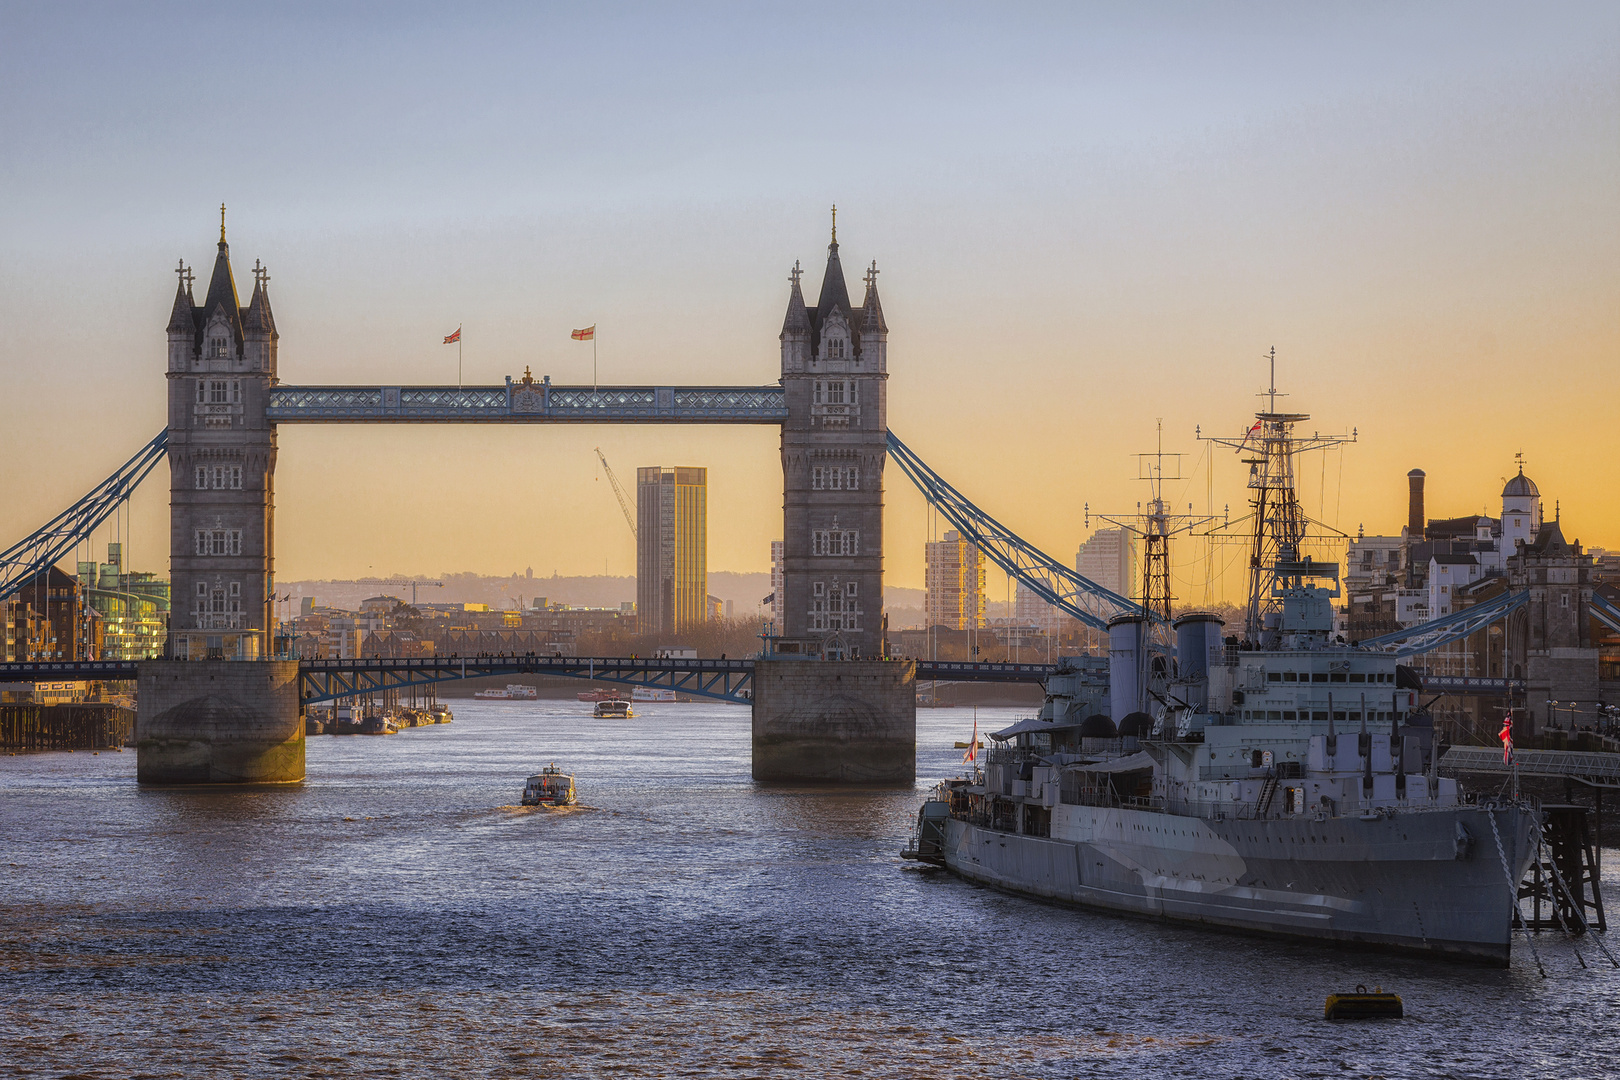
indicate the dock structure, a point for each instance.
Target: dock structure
{"x":1567,"y":875}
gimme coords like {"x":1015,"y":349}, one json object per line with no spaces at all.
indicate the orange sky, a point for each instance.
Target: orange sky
{"x":1085,"y":224}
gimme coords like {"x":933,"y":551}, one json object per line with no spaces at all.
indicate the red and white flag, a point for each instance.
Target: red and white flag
{"x":1252,"y":431}
{"x":973,"y":744}
{"x":1507,"y":739}
{"x":453,"y":338}
{"x":586,"y":334}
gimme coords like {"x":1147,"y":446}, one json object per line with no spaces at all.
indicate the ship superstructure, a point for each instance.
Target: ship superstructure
{"x":1277,"y":780}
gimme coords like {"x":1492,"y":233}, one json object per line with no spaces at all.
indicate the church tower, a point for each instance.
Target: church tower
{"x":834,"y":447}
{"x":222,"y":462}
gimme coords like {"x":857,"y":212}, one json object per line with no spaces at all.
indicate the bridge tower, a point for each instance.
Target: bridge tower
{"x":222,"y":463}
{"x":220,"y":711}
{"x":830,"y":708}
{"x":834,"y":445}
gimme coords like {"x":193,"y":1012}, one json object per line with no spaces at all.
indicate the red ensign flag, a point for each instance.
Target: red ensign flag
{"x":1507,"y":739}
{"x":453,"y":338}
{"x":586,"y":334}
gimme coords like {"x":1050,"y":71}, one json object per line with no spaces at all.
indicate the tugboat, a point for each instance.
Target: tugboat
{"x":613,"y":709}
{"x":1280,"y":782}
{"x":550,"y":787}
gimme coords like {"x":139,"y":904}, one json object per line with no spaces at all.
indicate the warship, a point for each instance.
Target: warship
{"x":1275,"y":781}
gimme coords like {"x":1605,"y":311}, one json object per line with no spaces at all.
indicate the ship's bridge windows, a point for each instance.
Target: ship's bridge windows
{"x":1337,"y":676}
{"x":1289,"y":676}
{"x":1357,"y":676}
{"x":1319,"y":717}
{"x":1287,"y":714}
{"x":1273,"y":676}
{"x":1274,"y":714}
{"x":1319,"y":676}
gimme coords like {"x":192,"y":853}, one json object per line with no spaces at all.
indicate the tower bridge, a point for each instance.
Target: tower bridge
{"x":222,"y":708}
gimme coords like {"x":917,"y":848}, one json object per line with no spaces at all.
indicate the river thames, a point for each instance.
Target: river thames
{"x":398,"y":915}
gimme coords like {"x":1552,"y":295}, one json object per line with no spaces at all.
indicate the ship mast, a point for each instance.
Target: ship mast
{"x":1280,"y":524}
{"x":1155,"y":525}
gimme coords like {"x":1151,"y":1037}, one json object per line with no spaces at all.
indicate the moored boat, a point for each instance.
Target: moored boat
{"x":1279,"y":782}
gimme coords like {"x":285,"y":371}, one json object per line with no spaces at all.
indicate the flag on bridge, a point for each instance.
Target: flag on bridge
{"x":587,"y":334}
{"x":453,"y":338}
{"x":1507,"y":739}
{"x":768,"y":601}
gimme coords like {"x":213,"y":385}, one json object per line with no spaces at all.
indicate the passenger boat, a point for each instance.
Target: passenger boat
{"x":550,"y":787}
{"x":612,"y":708}
{"x":513,"y":692}
{"x":652,"y":693}
{"x":1280,"y":782}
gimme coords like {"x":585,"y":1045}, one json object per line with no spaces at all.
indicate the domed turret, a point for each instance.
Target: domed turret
{"x":1521,"y":486}
{"x":1521,"y":511}
{"x":1137,"y":725}
{"x":1098,"y":726}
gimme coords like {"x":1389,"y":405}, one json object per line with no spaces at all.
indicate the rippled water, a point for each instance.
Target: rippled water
{"x":397,"y":915}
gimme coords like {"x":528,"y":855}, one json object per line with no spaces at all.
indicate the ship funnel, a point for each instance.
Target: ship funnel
{"x":1126,"y":664}
{"x":1197,"y":634}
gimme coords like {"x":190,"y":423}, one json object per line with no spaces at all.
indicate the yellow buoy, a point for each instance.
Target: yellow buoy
{"x":1363,"y":1006}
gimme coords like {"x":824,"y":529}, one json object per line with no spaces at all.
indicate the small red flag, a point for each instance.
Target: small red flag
{"x":453,"y":338}
{"x":586,"y":334}
{"x":1507,"y":739}
{"x":973,"y":746}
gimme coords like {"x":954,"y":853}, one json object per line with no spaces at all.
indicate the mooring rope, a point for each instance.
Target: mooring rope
{"x":1513,"y":891}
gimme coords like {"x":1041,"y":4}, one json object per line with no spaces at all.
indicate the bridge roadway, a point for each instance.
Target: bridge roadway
{"x":329,"y":680}
{"x":724,"y":680}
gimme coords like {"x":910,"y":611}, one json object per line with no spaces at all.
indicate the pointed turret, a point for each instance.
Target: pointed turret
{"x":871,"y":306}
{"x":180,"y":316}
{"x":257,"y":318}
{"x":798,"y":318}
{"x":834,"y":293}
{"x":221,"y":296}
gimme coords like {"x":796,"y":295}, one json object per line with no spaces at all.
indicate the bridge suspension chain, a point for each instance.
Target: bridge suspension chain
{"x":1063,"y":588}
{"x":34,"y":554}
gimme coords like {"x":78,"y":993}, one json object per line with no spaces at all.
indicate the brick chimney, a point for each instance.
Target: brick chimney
{"x":1414,"y":509}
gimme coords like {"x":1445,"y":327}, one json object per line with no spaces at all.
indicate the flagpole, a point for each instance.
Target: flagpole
{"x":458,"y":358}
{"x":594,"y":380}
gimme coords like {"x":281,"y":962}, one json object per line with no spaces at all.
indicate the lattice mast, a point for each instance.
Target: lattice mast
{"x":1280,"y":524}
{"x":1155,"y":523}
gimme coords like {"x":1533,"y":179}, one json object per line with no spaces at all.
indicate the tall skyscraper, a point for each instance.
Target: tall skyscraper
{"x":672,"y":553}
{"x":954,"y":579}
{"x":1109,"y":559}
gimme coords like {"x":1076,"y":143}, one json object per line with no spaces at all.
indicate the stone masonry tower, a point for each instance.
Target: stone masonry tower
{"x":834,"y":445}
{"x":222,"y":462}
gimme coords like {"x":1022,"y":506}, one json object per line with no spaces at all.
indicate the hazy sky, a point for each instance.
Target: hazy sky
{"x":1088,"y":217}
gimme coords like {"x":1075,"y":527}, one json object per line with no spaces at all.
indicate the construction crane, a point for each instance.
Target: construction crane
{"x":624,"y":500}
{"x":395,"y":581}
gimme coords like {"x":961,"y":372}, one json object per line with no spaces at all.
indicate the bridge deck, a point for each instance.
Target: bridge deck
{"x":528,"y":402}
{"x":327,"y":680}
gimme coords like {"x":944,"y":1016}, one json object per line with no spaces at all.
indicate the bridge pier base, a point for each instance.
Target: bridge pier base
{"x":219,"y":722}
{"x":835,"y":721}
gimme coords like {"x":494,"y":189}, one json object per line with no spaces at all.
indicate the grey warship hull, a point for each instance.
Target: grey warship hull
{"x":1429,"y":882}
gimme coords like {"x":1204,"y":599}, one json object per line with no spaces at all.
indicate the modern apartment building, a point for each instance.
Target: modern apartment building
{"x":672,"y":568}
{"x":954,"y":580}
